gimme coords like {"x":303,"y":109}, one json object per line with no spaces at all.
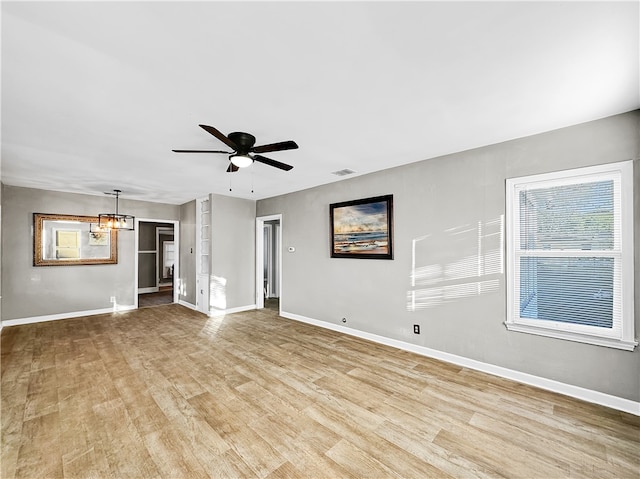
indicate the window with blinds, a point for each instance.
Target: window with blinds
{"x":570,"y":255}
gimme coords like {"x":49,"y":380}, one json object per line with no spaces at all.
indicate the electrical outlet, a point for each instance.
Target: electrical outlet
{"x":112,"y":299}
{"x":416,"y":329}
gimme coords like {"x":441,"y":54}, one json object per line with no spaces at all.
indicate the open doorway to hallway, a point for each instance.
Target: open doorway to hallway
{"x":155,"y":299}
{"x":157,"y":262}
{"x":269,"y":262}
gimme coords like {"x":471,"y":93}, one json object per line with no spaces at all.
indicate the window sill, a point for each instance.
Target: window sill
{"x":571,"y":336}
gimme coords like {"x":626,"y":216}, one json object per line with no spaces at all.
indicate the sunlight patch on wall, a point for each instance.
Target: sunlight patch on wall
{"x":182,"y":288}
{"x":473,"y":264}
{"x":218,"y":293}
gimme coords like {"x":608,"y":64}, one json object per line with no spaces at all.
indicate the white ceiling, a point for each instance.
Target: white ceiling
{"x":95,"y":95}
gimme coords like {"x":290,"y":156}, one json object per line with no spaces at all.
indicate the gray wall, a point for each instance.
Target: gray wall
{"x":187,"y":254}
{"x":0,"y":254}
{"x":233,"y":250}
{"x":451,"y":209}
{"x":37,"y":291}
{"x":232,"y":253}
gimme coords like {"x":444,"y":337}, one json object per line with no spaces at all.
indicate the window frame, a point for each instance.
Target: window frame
{"x":621,"y":336}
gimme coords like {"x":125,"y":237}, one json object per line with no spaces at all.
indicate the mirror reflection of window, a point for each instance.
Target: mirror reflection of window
{"x":168,"y":258}
{"x":67,"y":244}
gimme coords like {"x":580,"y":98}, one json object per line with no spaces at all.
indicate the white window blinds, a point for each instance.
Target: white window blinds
{"x":567,"y":251}
{"x":573,"y":226}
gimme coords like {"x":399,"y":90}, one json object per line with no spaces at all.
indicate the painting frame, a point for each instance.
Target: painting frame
{"x":362,"y":229}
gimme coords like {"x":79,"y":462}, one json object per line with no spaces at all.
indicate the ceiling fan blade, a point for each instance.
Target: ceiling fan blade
{"x":270,"y":162}
{"x":219,"y":136}
{"x":232,"y":168}
{"x":283,"y":145}
{"x":202,"y":151}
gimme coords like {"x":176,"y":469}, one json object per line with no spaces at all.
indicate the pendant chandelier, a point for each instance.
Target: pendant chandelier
{"x":114,"y":221}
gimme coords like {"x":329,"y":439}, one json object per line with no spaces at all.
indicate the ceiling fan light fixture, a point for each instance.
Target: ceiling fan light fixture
{"x":242,"y":145}
{"x":241,"y":161}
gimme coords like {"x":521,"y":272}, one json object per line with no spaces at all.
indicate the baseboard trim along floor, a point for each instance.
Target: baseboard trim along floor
{"x":73,"y":314}
{"x":239,"y":309}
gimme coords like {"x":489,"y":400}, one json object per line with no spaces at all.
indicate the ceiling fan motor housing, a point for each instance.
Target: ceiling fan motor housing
{"x":244,"y":141}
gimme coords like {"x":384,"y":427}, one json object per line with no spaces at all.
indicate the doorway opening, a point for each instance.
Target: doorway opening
{"x":269,"y":262}
{"x":156,"y":262}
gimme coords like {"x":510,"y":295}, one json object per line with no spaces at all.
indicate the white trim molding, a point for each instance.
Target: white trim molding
{"x":222,"y":312}
{"x":596,"y":397}
{"x":260,"y":221}
{"x":150,"y":289}
{"x":187,"y":305}
{"x":626,"y":345}
{"x":73,"y":314}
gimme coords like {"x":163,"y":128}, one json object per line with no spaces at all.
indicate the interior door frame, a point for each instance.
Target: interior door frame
{"x":260,"y":221}
{"x":176,"y":241}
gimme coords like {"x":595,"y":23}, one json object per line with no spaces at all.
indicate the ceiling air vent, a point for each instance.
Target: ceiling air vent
{"x":344,"y":172}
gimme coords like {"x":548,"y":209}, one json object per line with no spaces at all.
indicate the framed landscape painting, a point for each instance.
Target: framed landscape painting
{"x":362,"y":228}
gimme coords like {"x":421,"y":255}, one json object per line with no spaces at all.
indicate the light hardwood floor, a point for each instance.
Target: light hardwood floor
{"x":167,"y":392}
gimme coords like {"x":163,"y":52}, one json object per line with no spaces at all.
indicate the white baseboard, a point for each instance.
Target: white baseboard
{"x":219,"y":312}
{"x":151,"y":289}
{"x":222,"y":312}
{"x":73,"y":314}
{"x":596,"y":397}
{"x":187,"y":305}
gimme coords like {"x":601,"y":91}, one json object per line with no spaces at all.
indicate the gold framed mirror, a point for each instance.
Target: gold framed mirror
{"x":65,"y":240}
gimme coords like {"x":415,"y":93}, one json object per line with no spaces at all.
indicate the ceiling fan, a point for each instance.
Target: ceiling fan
{"x":242,"y":145}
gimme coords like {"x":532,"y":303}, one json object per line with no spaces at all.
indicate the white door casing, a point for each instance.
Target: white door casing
{"x":260,"y":223}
